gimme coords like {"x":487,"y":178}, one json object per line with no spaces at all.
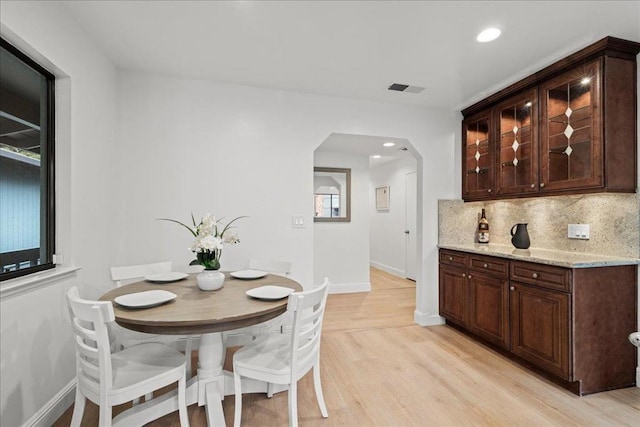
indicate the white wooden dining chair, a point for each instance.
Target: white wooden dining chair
{"x":282,"y":268}
{"x":245,"y":335}
{"x":126,"y":274}
{"x":285,"y":358}
{"x":111,"y":378}
{"x":126,"y":337}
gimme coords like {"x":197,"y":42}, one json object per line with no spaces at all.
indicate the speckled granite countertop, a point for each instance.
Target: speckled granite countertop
{"x":542,"y":256}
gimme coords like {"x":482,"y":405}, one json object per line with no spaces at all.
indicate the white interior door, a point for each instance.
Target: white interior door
{"x":411,"y":192}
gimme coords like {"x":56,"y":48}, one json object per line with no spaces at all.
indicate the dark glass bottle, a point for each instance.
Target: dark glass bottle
{"x":483,"y":228}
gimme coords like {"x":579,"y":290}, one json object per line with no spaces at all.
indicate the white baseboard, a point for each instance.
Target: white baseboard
{"x":391,"y":270}
{"x":347,"y":288}
{"x":638,"y":376}
{"x":426,"y":319}
{"x":49,"y":413}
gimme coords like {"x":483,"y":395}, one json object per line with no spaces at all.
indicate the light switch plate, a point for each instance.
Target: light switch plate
{"x":578,"y":231}
{"x":297,"y":221}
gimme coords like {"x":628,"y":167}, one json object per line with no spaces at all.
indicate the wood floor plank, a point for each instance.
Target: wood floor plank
{"x":381,"y":369}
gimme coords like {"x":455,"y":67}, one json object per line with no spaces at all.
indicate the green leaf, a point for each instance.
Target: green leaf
{"x":178,"y":222}
{"x":229,"y":224}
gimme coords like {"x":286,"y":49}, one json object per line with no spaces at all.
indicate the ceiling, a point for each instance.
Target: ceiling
{"x":353,"y":49}
{"x":368,"y":146}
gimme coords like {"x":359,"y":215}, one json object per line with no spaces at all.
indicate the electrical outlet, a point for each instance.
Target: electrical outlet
{"x":578,"y":231}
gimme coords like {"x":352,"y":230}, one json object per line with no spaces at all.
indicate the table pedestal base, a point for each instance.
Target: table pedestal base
{"x":208,"y":388}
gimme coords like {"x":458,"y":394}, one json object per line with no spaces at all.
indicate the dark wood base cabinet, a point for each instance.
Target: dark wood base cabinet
{"x":571,"y":325}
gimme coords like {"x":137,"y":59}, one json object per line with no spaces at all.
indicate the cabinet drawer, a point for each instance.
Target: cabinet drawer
{"x":490,"y":265}
{"x":545,"y":276}
{"x":453,"y":258}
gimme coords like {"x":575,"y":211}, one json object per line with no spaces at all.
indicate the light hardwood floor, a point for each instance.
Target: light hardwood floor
{"x":380,"y":369}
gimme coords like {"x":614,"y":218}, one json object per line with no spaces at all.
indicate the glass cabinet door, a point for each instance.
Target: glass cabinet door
{"x":571,"y":144}
{"x":517,"y":144}
{"x":477,"y":158}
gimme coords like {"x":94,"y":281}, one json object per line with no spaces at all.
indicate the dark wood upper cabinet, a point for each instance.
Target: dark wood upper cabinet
{"x":517,"y":123}
{"x":478,"y":156}
{"x":569,"y":128}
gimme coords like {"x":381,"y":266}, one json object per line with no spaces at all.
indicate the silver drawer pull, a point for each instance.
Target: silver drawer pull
{"x":535,"y":275}
{"x":450,"y":258}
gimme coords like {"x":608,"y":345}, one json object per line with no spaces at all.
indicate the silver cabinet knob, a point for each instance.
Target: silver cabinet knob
{"x":464,"y":275}
{"x":489,"y":190}
{"x":450,"y":258}
{"x":469,"y":276}
{"x":535,"y":275}
{"x":513,"y":288}
{"x":486,"y":265}
{"x":533,"y":186}
{"x":542,"y":184}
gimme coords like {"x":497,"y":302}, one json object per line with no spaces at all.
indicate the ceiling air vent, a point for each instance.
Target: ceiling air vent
{"x":399,"y":87}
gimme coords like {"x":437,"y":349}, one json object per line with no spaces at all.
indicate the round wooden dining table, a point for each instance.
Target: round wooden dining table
{"x":208,"y":314}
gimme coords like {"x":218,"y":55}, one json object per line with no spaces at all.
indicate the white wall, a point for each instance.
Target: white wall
{"x":38,"y":360}
{"x":341,"y":249}
{"x":388,"y":240}
{"x":192,"y":145}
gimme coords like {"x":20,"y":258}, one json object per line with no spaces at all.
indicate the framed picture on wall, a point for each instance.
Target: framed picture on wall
{"x":382,"y":198}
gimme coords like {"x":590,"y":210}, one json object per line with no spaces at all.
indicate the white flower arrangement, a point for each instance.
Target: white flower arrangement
{"x":210,"y":236}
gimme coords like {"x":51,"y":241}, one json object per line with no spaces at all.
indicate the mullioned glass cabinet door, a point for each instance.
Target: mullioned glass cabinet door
{"x":517,"y":167}
{"x":571,"y":142}
{"x":478,"y":157}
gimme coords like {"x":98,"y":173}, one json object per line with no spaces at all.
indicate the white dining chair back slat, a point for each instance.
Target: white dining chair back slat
{"x":131,"y":272}
{"x":110,"y":378}
{"x":283,"y":358}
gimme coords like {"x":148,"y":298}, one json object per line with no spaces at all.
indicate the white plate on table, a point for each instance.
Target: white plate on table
{"x":145,"y":299}
{"x":270,"y":292}
{"x":249,"y":274}
{"x":172,"y":276}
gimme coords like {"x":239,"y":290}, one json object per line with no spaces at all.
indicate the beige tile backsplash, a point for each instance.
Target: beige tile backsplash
{"x":614,"y":221}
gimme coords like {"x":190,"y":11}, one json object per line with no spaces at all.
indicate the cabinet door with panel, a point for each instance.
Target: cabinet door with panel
{"x":571,"y":135}
{"x":517,"y":144}
{"x":489,"y":307}
{"x":540,"y":327}
{"x":453,"y":294}
{"x":478,"y":157}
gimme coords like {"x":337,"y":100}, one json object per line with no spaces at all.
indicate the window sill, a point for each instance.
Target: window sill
{"x":21,"y":285}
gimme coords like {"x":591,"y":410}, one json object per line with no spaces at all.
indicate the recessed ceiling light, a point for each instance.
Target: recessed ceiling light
{"x":376,"y":156}
{"x":488,"y":35}
{"x":389,"y":144}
